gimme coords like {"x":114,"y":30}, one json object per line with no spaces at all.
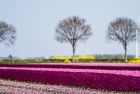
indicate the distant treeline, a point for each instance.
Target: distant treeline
{"x":112,"y":56}
{"x":60,"y":59}
{"x":96,"y":56}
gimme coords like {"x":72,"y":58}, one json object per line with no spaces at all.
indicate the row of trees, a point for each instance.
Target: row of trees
{"x":75,"y":29}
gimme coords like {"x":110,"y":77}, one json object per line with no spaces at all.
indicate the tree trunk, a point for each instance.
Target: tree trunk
{"x":125,"y":48}
{"x":73,"y":54}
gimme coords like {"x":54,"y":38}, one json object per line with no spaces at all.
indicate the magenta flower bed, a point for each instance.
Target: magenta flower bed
{"x":99,"y":79}
{"x":108,"y":66}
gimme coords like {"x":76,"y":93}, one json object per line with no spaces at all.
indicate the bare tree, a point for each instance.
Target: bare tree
{"x":72,"y":30}
{"x":7,"y":33}
{"x":122,"y":30}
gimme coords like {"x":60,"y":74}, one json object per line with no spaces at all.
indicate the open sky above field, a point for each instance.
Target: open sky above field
{"x":36,"y":20}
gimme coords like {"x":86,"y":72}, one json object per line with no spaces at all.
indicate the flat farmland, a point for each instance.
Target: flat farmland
{"x":112,"y":77}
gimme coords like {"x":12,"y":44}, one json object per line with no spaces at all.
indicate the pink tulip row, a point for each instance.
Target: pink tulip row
{"x":118,"y":80}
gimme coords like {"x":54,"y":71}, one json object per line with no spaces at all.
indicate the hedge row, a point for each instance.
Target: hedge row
{"x":25,"y":61}
{"x":75,"y":77}
{"x":41,"y":61}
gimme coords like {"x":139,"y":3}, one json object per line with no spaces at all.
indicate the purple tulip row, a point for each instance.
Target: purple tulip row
{"x":117,"y":80}
{"x":109,"y":66}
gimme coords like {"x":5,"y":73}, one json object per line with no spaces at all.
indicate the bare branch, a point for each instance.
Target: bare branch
{"x":72,"y":30}
{"x":122,"y":30}
{"x":7,"y":33}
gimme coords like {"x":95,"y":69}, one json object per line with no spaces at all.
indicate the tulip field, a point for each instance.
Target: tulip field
{"x":112,"y":77}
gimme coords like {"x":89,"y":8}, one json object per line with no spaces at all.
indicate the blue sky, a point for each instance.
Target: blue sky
{"x":36,"y":20}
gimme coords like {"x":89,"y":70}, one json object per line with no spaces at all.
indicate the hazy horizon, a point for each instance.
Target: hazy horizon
{"x":36,"y":20}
